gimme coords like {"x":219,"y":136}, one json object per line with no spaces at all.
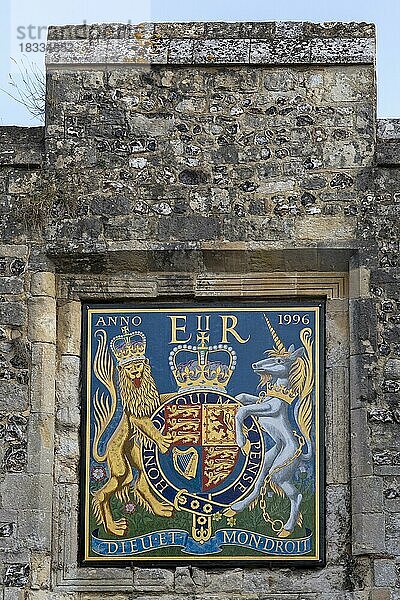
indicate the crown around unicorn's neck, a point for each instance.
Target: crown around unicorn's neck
{"x":288,"y":395}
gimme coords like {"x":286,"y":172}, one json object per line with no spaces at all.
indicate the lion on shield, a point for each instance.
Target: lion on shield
{"x":140,"y":398}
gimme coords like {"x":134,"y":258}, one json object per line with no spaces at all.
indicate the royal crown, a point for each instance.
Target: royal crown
{"x":201,"y":366}
{"x":129,"y":346}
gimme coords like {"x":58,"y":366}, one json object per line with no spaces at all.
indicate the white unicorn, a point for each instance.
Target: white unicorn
{"x":287,"y":376}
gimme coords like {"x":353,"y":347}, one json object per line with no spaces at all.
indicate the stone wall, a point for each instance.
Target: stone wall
{"x":187,"y":160}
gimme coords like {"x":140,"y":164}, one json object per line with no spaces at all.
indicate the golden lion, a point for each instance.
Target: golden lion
{"x":139,"y":397}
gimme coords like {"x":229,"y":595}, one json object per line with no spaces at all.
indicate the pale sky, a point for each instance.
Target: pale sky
{"x":23,"y":22}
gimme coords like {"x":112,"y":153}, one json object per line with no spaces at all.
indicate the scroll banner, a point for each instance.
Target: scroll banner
{"x":223,"y":537}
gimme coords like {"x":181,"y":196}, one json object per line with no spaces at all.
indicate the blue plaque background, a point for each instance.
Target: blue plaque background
{"x":231,"y":535}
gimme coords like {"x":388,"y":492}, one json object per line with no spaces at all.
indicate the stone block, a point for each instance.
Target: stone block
{"x":8,"y":515}
{"x":38,"y":258}
{"x":13,"y":396}
{"x":289,"y":29}
{"x":23,"y":491}
{"x":338,"y":523}
{"x":258,"y":29}
{"x":388,"y":152}
{"x":12,"y":313}
{"x":180,"y":52}
{"x":368,"y":533}
{"x":21,"y":180}
{"x":58,"y":52}
{"x":223,"y":30}
{"x":255,"y":580}
{"x":361,"y":380}
{"x":385,"y":432}
{"x":42,"y":319}
{"x":9,"y":543}
{"x":392,"y":369}
{"x":367,"y":494}
{"x":224,"y":51}
{"x":393,"y":533}
{"x":40,"y":443}
{"x":338,"y":29}
{"x":16,"y":575}
{"x":385,"y":573}
{"x":191,"y":30}
{"x":11,"y":285}
{"x":229,"y":581}
{"x":381,"y":594}
{"x":152,"y":579}
{"x":337,"y":339}
{"x":361,"y":458}
{"x":22,"y":147}
{"x":357,"y":51}
{"x":283,"y":583}
{"x":68,"y":391}
{"x":322,"y":228}
{"x":337,"y":425}
{"x":43,"y":284}
{"x":278,"y":51}
{"x":281,"y":80}
{"x":40,"y":570}
{"x":13,"y":250}
{"x":197,"y":228}
{"x":14,"y":594}
{"x":67,"y":452}
{"x":34,"y":529}
{"x":363,"y":326}
{"x":69,"y":328}
{"x":348,"y":85}
{"x":359,"y":282}
{"x":42,"y":390}
{"x":184,"y":582}
{"x":152,"y":51}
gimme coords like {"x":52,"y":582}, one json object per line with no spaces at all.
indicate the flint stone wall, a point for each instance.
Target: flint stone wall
{"x":175,"y":156}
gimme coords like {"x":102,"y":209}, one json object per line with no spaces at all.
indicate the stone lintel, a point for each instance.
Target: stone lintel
{"x":267,"y":43}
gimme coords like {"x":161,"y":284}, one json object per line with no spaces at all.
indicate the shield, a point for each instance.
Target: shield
{"x":203,"y":444}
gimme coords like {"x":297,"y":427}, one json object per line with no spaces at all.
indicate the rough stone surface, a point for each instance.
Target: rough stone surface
{"x":43,"y":284}
{"x":177,"y":153}
{"x":42,"y":320}
{"x":238,"y":43}
{"x":21,"y":146}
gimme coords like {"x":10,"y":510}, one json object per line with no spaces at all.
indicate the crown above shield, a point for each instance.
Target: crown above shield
{"x":129,"y":346}
{"x":202,"y":366}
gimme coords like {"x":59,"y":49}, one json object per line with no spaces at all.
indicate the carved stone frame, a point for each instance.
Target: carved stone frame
{"x":74,"y":289}
{"x":341,"y":290}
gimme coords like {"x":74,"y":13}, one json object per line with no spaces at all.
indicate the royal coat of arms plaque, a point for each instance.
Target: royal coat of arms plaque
{"x":202,"y":433}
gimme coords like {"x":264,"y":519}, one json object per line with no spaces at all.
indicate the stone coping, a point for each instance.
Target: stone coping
{"x":253,"y":43}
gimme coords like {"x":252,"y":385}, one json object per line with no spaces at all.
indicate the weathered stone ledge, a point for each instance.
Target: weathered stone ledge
{"x":210,"y":30}
{"x":271,"y":43}
{"x":21,"y":146}
{"x":388,"y":142}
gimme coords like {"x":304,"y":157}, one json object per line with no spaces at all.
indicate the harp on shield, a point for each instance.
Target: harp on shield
{"x":186,"y":462}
